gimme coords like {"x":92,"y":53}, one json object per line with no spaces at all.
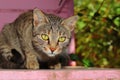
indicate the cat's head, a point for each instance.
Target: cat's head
{"x":51,"y":34}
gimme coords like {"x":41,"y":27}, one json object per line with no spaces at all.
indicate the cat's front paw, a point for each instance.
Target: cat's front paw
{"x":32,"y":65}
{"x":7,"y":55}
{"x":32,"y":62}
{"x":56,"y":66}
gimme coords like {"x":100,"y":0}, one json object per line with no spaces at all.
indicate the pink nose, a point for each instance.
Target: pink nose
{"x":52,"y":49}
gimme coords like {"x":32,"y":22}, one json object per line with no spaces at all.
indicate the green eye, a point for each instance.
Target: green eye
{"x":44,"y":37}
{"x":61,"y":39}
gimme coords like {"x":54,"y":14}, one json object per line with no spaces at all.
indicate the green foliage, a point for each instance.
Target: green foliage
{"x":98,"y":33}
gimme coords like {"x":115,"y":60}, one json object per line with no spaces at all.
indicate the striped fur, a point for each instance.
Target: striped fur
{"x":24,"y":36}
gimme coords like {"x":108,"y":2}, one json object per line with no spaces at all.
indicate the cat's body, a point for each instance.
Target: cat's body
{"x":38,"y":38}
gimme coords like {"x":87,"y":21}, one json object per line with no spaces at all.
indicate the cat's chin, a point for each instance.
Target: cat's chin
{"x":51,"y":55}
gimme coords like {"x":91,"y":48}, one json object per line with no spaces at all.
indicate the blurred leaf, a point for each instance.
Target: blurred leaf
{"x":117,"y":21}
{"x":81,"y":24}
{"x":74,"y":57}
{"x":87,"y":63}
{"x":118,"y":10}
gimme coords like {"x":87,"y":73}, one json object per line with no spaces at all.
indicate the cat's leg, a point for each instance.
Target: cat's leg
{"x":54,"y":63}
{"x":24,"y":34}
{"x":31,"y":61}
{"x":61,"y":61}
{"x":56,"y":66}
{"x":5,"y":51}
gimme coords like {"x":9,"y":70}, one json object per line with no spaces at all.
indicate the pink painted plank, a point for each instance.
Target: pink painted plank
{"x":60,"y":74}
{"x":9,"y":10}
{"x":28,"y":4}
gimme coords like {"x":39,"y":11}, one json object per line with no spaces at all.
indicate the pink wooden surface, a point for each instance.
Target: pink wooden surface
{"x":60,"y":75}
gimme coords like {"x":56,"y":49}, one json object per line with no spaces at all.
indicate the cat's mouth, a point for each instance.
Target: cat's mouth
{"x":51,"y":52}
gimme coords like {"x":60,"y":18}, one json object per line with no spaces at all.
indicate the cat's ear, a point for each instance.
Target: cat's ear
{"x":39,"y":17}
{"x":70,"y":22}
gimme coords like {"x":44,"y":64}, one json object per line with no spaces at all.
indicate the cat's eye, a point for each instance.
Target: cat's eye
{"x":44,"y":37}
{"x":62,"y":39}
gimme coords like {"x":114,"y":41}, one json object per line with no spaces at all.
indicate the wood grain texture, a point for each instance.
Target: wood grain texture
{"x":79,"y":74}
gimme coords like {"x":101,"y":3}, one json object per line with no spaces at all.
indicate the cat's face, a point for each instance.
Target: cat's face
{"x":51,"y":34}
{"x":51,"y":39}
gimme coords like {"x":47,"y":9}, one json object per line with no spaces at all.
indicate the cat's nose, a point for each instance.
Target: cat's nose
{"x":52,"y":49}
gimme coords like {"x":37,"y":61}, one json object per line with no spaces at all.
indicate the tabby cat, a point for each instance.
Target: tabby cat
{"x":38,"y":38}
